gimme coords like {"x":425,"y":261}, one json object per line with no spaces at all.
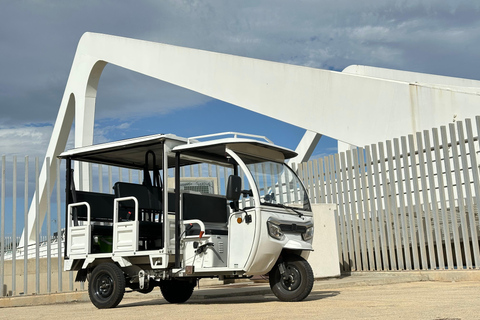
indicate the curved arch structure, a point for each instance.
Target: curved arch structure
{"x":336,"y":104}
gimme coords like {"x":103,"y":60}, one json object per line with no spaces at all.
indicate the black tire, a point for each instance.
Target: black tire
{"x":177,"y":291}
{"x":106,"y":286}
{"x":297,"y":281}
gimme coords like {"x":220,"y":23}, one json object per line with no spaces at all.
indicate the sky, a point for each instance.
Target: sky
{"x":38,"y":39}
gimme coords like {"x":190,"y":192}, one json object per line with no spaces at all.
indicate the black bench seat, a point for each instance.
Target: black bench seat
{"x":101,"y":216}
{"x":149,"y":206}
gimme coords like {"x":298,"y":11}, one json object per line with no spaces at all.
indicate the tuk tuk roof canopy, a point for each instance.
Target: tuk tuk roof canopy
{"x":130,"y":153}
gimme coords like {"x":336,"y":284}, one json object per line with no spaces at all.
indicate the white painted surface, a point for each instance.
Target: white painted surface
{"x":339,"y":105}
{"x":324,"y":259}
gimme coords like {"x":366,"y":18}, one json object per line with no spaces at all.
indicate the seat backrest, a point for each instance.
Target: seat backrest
{"x":101,"y":206}
{"x":207,"y":208}
{"x":148,"y":197}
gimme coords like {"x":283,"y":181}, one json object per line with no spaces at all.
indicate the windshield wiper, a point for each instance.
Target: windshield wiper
{"x":280,"y":205}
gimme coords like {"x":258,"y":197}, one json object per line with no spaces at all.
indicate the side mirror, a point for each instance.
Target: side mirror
{"x":234,"y":188}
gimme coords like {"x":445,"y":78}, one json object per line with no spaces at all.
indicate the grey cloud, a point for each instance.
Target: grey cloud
{"x":38,"y":41}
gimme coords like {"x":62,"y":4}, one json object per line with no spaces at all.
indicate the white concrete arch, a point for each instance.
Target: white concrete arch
{"x":339,"y":105}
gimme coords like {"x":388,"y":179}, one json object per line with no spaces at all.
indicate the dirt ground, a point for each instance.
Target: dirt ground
{"x":416,"y":300}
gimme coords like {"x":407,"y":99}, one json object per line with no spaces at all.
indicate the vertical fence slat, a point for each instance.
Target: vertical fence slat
{"x":410,"y":203}
{"x":394,"y":206}
{"x":468,"y":194}
{"x":475,"y":173}
{"x":328,"y":194}
{"x":317,"y":181}
{"x":342,"y":216}
{"x":443,"y":202}
{"x":426,"y":202}
{"x":373,"y":209}
{"x":434,"y":202}
{"x":451,"y":198}
{"x":332,"y":177}
{"x":110,"y":180}
{"x":461,"y":204}
{"x":354,"y":216}
{"x":37,"y":229}
{"x":402,"y":206}
{"x":49,"y":231}
{"x":14,"y":227}
{"x":310,"y":181}
{"x":334,"y":169}
{"x":387,"y":207}
{"x":366,"y":212}
{"x":418,"y":204}
{"x":59,"y":230}
{"x":348,"y":215}
{"x":2,"y":229}
{"x":323,"y":174}
{"x":360,"y":213}
{"x":380,"y":209}
{"x":25,"y":237}
{"x":100,"y":178}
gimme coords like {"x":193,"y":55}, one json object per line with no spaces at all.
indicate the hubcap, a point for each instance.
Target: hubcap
{"x":291,"y":278}
{"x":104,"y":285}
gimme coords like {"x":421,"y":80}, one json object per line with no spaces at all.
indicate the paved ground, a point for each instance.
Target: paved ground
{"x":369,"y":297}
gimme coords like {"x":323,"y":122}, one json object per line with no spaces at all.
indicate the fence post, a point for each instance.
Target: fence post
{"x":49,"y":230}
{"x":59,"y":229}
{"x":37,"y":229}
{"x":433,"y":201}
{"x":410,"y":203}
{"x":461,"y":204}
{"x":25,"y":237}
{"x":443,"y":202}
{"x":14,"y":227}
{"x":401,"y":200}
{"x":387,"y":207}
{"x":360,"y":212}
{"x":2,"y":229}
{"x":451,"y":199}
{"x":468,"y":194}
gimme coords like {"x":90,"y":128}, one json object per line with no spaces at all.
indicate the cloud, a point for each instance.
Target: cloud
{"x":38,"y":40}
{"x":24,"y":140}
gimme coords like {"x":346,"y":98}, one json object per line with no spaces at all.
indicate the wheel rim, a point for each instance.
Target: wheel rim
{"x":104,"y":286}
{"x":291,"y":279}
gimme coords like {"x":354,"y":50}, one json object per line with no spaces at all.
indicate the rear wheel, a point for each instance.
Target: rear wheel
{"x":177,"y":291}
{"x":291,"y":279}
{"x":106,"y":285}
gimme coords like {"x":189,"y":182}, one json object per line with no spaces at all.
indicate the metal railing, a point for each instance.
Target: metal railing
{"x":407,"y":204}
{"x":398,"y":208}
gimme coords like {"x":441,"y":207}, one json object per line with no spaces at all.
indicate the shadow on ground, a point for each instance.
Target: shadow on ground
{"x":249,"y":299}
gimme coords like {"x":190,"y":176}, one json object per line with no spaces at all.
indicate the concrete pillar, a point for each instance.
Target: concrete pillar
{"x":324,"y":259}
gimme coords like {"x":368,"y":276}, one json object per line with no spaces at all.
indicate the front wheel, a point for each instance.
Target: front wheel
{"x":106,"y":285}
{"x":177,"y":291}
{"x":291,"y":279}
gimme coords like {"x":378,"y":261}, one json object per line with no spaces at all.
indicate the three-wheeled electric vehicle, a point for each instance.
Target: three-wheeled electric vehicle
{"x":244,"y":212}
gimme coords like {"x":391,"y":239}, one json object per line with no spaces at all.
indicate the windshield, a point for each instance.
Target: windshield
{"x":278,"y":185}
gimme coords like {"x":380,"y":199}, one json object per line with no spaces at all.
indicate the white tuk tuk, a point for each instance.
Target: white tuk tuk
{"x":244,"y":213}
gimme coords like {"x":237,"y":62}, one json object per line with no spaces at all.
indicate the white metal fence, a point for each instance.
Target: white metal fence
{"x":398,"y":208}
{"x":19,"y":181}
{"x":407,"y":204}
